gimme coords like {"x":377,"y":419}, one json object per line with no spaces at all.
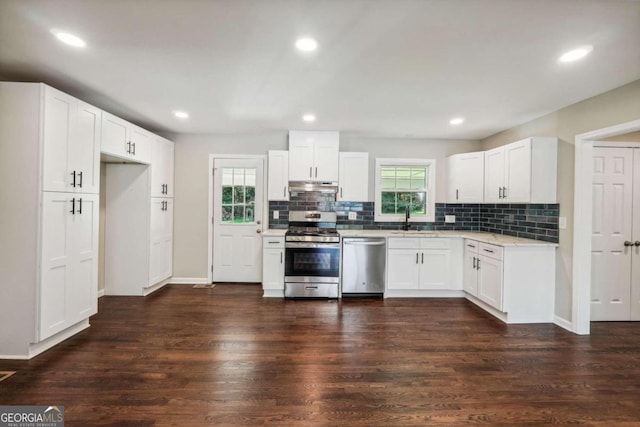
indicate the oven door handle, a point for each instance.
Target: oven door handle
{"x":308,"y":245}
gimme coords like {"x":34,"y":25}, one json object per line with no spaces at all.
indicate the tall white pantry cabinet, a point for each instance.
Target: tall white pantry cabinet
{"x":49,"y":162}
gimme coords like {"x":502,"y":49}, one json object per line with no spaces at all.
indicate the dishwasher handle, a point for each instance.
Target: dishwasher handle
{"x":364,"y":242}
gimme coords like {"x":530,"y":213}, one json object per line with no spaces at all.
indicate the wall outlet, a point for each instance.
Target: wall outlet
{"x":353,"y":215}
{"x":276,"y":214}
{"x":562,"y":222}
{"x":449,"y":218}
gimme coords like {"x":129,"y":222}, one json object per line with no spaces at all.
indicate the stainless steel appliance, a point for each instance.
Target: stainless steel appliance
{"x":363,"y":266}
{"x":312,"y":255}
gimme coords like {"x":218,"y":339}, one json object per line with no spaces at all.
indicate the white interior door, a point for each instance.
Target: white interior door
{"x":237,"y":220}
{"x":612,"y":227}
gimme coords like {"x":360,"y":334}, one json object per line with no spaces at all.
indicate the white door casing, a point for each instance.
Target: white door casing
{"x":634,"y":301}
{"x":237,"y":221}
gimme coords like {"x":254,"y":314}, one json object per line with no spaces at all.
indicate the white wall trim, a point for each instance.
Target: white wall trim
{"x":563,"y":323}
{"x":100,"y":293}
{"x":616,"y":144}
{"x":38,"y":348}
{"x":189,"y":281}
{"x":265,"y":203}
{"x":582,"y":222}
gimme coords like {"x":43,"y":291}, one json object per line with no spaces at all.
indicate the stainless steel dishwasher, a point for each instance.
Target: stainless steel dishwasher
{"x":363,"y":265}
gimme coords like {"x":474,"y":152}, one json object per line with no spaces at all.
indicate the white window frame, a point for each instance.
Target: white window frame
{"x":430,"y":203}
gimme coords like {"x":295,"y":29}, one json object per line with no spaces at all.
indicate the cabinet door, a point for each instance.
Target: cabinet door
{"x":403,"y":269}
{"x":59,"y":119}
{"x":84,"y":152}
{"x":435,"y":269}
{"x":82,"y":294}
{"x":162,"y":168}
{"x":161,"y":249}
{"x":453,"y":172}
{"x":326,"y":157}
{"x":518,"y":171}
{"x":301,"y":146}
{"x":493,"y":175}
{"x":354,"y":177}
{"x":470,"y":274}
{"x":140,"y":144}
{"x":56,"y":265}
{"x":490,"y":278}
{"x":115,"y":136}
{"x":273,"y":268}
{"x":470,"y":172}
{"x":278,"y":183}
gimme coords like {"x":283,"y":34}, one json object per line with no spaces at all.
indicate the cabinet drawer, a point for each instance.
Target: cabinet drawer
{"x":273,"y":242}
{"x":471,"y":246}
{"x":491,"y":251}
{"x":403,"y":243}
{"x":435,"y":243}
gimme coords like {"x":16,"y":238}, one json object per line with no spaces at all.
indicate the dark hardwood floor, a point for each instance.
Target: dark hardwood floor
{"x":226,"y":356}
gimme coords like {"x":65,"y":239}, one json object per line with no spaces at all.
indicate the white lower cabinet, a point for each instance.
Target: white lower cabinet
{"x":421,"y":266}
{"x":161,"y":250}
{"x":69,"y":275}
{"x":514,"y":283}
{"x":273,"y":266}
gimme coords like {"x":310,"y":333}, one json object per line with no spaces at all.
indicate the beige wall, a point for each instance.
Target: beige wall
{"x":617,"y":106}
{"x":192,"y":185}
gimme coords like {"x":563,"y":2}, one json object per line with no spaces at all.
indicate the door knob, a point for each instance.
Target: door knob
{"x":628,"y":243}
{"x":636,"y":243}
{"x":258,"y":231}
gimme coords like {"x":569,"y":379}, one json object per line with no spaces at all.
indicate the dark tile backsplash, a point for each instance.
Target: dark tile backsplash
{"x":532,"y":221}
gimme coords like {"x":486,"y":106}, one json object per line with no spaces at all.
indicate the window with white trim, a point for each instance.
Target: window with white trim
{"x":402,"y":183}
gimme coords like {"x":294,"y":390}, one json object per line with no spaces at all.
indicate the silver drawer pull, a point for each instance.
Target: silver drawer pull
{"x":488,"y":250}
{"x":311,"y":287}
{"x":471,"y":246}
{"x":273,"y":242}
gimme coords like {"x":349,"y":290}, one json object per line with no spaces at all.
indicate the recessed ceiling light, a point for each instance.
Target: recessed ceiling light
{"x":306,"y":44}
{"x":456,"y":121}
{"x":68,"y":38}
{"x":309,"y":118}
{"x":181,"y":114}
{"x":575,"y":54}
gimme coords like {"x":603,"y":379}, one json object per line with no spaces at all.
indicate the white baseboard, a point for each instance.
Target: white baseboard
{"x":189,"y":281}
{"x":37,"y":348}
{"x":273,"y":293}
{"x":563,"y":323}
{"x":100,"y":293}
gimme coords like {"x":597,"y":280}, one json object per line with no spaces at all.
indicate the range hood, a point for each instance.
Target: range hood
{"x":316,"y":187}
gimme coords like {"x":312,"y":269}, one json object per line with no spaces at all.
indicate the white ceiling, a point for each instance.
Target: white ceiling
{"x":383,"y":67}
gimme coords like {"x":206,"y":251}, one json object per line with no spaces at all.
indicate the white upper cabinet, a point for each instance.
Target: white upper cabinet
{"x":162,"y":160}
{"x":71,"y":144}
{"x":313,"y":156}
{"x":465,"y":178}
{"x":354,"y":177}
{"x":278,"y":183}
{"x":125,"y":140}
{"x":522,"y":172}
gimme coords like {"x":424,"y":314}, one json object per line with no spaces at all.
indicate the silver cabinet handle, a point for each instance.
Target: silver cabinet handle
{"x":487,"y":250}
{"x":628,"y":243}
{"x":341,"y":192}
{"x":456,"y":194}
{"x":478,"y":264}
{"x":80,"y":182}
{"x":499,"y":192}
{"x":73,"y":184}
{"x":284,"y":191}
{"x":471,"y":246}
{"x":280,"y":257}
{"x":474,"y":263}
{"x":310,"y":172}
{"x":417,"y":256}
{"x":316,"y":171}
{"x":422,"y":260}
{"x":504,"y":192}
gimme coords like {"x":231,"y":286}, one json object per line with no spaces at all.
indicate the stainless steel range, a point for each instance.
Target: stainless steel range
{"x":312,"y":255}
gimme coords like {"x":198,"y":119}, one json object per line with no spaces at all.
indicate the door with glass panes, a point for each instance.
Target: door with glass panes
{"x":237,"y":217}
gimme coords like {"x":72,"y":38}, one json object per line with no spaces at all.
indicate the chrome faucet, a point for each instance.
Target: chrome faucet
{"x":407,"y":215}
